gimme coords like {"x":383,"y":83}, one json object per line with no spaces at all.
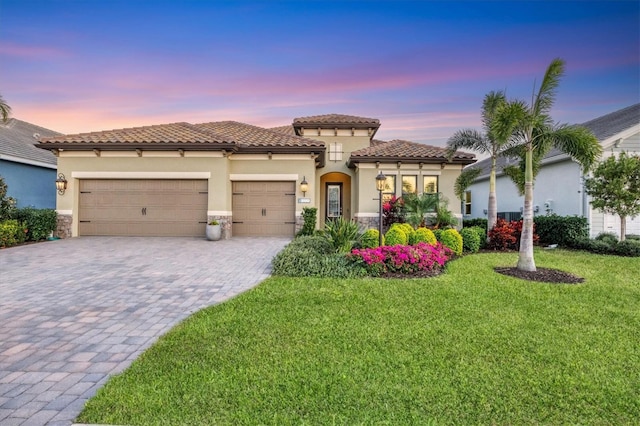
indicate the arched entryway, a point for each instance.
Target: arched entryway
{"x":335,"y":193}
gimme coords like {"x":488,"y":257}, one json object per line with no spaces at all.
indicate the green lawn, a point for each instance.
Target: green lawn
{"x":468,"y":347}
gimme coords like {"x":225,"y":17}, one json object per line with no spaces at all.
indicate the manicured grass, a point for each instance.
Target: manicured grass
{"x":467,"y":347}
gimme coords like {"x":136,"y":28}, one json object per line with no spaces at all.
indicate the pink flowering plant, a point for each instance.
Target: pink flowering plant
{"x":402,"y":258}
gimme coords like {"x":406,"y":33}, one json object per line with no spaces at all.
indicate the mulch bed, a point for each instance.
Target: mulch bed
{"x":546,"y":275}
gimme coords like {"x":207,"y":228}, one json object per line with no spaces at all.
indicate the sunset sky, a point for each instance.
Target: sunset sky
{"x":421,"y":67}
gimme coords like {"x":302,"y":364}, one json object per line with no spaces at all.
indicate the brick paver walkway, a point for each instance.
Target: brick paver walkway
{"x":73,"y":312}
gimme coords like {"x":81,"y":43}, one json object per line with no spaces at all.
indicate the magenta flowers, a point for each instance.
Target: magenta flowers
{"x":402,"y":258}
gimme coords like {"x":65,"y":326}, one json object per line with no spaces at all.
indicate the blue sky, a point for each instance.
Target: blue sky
{"x":421,"y":67}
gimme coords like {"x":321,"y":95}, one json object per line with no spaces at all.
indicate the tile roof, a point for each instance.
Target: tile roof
{"x":336,"y":120}
{"x":401,"y":150}
{"x":18,"y":140}
{"x":254,"y":136}
{"x":287,"y":130}
{"x":161,"y":134}
{"x":603,"y":127}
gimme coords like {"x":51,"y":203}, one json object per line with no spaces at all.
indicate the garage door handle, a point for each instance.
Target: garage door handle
{"x":144,"y":211}
{"x":264,"y":212}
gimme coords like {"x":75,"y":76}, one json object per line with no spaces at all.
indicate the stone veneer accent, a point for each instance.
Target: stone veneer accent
{"x":225,"y":225}
{"x":299,"y":223}
{"x":367,"y":222}
{"x":63,"y":226}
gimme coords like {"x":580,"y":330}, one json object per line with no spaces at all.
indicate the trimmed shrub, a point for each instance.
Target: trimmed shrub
{"x":608,"y":237}
{"x":482,"y":233}
{"x":470,"y":240}
{"x":629,"y":248}
{"x":311,"y":256}
{"x":502,"y":237}
{"x":407,"y":228}
{"x":12,"y":232}
{"x":401,"y":258}
{"x":480,"y":222}
{"x":452,"y":239}
{"x":40,"y":223}
{"x":395,"y":236}
{"x":506,"y":235}
{"x":309,"y":214}
{"x":437,"y":233}
{"x":370,"y":239}
{"x":562,"y":230}
{"x":422,"y":235}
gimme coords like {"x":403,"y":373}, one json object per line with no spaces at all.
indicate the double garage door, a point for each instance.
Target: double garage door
{"x":155,"y":207}
{"x":143,"y":207}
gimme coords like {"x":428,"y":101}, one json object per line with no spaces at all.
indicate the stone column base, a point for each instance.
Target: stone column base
{"x":63,"y":226}
{"x":225,"y":225}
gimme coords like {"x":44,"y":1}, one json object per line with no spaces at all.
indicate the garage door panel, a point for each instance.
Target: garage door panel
{"x":143,"y":207}
{"x":264,"y":208}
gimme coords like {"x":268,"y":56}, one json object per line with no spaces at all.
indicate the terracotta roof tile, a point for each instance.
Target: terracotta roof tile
{"x":174,"y":133}
{"x":401,"y":149}
{"x":253,"y":136}
{"x":287,"y":130}
{"x":339,"y":120}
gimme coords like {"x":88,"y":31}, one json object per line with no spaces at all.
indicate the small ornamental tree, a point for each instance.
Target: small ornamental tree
{"x":615,"y":188}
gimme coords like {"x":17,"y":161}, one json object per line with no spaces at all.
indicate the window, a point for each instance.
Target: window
{"x":430,"y":184}
{"x":389,"y":188}
{"x":467,"y":202}
{"x":409,"y":184}
{"x":335,"y":151}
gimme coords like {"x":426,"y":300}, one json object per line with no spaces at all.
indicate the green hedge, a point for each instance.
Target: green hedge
{"x":12,"y":232}
{"x":40,"y":223}
{"x":562,"y":230}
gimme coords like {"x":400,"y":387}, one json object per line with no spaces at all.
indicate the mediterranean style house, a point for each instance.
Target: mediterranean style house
{"x":559,"y":186}
{"x":170,"y":179}
{"x":27,"y":170}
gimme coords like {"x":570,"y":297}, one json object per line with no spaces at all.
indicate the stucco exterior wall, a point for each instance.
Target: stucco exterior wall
{"x":31,"y":186}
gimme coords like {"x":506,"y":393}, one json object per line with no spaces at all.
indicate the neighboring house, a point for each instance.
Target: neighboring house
{"x":559,"y":186}
{"x":171,"y":179}
{"x":29,"y":172}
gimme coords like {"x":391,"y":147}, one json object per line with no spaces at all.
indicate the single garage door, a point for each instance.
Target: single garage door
{"x":142,"y":207}
{"x":264,"y":208}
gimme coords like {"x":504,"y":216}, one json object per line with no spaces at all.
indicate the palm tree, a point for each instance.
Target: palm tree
{"x":494,"y":141}
{"x":5,"y":110}
{"x":536,"y":134}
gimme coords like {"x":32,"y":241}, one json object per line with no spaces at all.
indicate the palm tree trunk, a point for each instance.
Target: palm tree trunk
{"x":525,"y":258}
{"x":492,"y":210}
{"x":623,"y":227}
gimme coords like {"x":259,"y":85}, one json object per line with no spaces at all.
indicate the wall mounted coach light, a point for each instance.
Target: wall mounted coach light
{"x":61,"y":184}
{"x":304,"y":186}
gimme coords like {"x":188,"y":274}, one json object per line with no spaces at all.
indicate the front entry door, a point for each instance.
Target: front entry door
{"x":334,"y":200}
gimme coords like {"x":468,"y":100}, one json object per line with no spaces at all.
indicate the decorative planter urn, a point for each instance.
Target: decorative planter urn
{"x":214,"y":232}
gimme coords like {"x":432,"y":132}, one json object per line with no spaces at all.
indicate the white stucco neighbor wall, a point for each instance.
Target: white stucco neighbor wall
{"x":558,"y":183}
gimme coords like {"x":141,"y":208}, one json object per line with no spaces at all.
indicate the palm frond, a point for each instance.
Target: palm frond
{"x":465,"y":179}
{"x":579,"y":143}
{"x":547,"y":92}
{"x":5,"y":109}
{"x":469,"y":139}
{"x":490,"y":105}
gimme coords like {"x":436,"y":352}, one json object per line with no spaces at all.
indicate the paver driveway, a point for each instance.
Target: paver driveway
{"x":73,"y":312}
